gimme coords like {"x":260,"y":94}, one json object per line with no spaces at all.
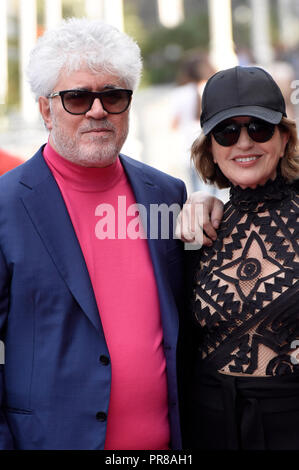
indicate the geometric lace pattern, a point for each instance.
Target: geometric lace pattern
{"x":246,"y":292}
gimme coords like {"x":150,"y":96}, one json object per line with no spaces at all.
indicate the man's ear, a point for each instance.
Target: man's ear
{"x":44,"y":108}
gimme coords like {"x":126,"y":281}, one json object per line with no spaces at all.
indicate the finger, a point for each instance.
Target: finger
{"x":206,"y":241}
{"x":197,"y":239}
{"x":183,"y":229}
{"x":188,"y":240}
{"x":178,"y":227}
{"x":187,"y":225}
{"x":198,"y":223}
{"x":207,"y":225}
{"x":217,"y":213}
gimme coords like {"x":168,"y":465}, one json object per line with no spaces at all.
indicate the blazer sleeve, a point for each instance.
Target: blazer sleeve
{"x":6,"y":440}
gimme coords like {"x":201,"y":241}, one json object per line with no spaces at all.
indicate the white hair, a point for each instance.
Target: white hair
{"x":80,"y":42}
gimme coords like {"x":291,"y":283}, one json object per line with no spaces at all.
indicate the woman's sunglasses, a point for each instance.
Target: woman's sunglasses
{"x":227,"y":133}
{"x":114,"y":101}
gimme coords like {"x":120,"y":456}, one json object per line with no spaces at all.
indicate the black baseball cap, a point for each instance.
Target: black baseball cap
{"x":241,"y":91}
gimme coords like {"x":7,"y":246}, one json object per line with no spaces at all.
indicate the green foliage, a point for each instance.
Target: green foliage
{"x":73,"y":8}
{"x":13,"y":96}
{"x":274,"y":26}
{"x":241,"y":35}
{"x":164,"y":48}
{"x":13,"y":92}
{"x":40,"y":7}
{"x":133,"y":24}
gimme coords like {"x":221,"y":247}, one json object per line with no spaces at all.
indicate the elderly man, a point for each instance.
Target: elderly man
{"x":88,"y":302}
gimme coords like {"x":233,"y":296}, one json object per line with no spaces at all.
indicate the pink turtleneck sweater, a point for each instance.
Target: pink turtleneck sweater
{"x":123,"y":281}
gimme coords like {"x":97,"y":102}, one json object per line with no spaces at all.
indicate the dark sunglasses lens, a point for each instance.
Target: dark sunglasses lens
{"x":260,"y":131}
{"x":116,"y":101}
{"x":77,"y":102}
{"x":226,"y":134}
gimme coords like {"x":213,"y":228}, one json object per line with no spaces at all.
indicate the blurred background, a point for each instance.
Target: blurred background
{"x":183,"y":42}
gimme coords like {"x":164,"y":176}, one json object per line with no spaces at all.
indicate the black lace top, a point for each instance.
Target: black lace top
{"x":246,"y":297}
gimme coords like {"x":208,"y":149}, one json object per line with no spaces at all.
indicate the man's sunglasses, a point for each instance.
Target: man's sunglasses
{"x":227,"y":133}
{"x":114,"y":101}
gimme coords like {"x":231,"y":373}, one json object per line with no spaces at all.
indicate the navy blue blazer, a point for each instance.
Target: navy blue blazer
{"x":54,"y":390}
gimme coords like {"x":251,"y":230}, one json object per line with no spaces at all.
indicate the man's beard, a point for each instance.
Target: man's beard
{"x":99,"y":151}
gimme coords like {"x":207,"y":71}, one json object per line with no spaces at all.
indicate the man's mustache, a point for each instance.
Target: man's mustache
{"x":97,"y":125}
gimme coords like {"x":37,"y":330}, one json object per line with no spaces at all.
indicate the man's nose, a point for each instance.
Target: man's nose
{"x":96,"y":111}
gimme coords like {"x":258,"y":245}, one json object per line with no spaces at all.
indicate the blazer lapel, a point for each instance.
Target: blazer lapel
{"x":146,"y":193}
{"x":45,"y":206}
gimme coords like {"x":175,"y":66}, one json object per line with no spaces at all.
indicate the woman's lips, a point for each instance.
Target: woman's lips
{"x":246,"y":160}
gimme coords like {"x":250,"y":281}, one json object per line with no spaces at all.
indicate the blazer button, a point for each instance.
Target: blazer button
{"x":104,"y":360}
{"x":101,"y":416}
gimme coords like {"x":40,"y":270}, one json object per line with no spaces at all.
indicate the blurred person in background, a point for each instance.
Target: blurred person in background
{"x":186,"y":109}
{"x":243,"y":387}
{"x":284,"y":75}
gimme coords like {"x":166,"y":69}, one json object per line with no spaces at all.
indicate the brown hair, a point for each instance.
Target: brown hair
{"x":210,"y":172}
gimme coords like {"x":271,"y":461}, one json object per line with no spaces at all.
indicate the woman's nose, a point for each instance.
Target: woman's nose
{"x":244,"y":140}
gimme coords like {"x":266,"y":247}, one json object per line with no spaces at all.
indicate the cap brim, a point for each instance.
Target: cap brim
{"x":269,"y":115}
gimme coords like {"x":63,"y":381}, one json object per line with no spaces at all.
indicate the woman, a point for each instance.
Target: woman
{"x":244,"y":391}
